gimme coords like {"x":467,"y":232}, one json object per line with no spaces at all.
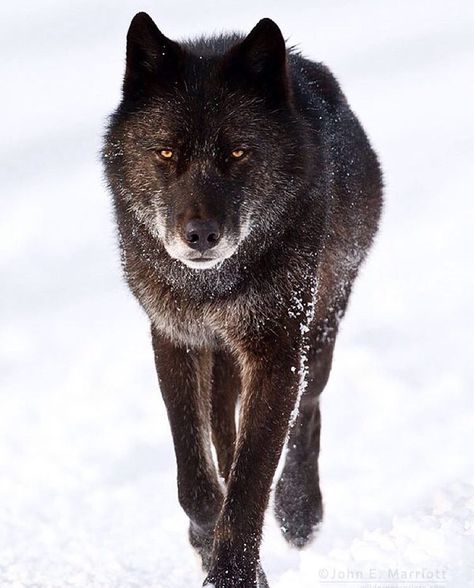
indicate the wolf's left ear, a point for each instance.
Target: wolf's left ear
{"x":153,"y":60}
{"x":260,"y":61}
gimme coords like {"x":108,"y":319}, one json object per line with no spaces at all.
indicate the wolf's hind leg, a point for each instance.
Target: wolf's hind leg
{"x":298,"y":500}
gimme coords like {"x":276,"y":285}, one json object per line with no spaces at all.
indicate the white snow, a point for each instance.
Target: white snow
{"x":87,"y":474}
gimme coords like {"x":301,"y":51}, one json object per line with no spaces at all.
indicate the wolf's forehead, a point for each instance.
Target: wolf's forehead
{"x":201,"y":112}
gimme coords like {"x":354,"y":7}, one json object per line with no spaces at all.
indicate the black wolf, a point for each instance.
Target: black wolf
{"x":246,"y":196}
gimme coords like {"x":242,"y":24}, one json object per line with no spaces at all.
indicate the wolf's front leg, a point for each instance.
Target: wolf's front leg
{"x":269,"y":393}
{"x":184,"y":376}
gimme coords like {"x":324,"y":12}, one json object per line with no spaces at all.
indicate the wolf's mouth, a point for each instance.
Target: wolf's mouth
{"x":197,"y":259}
{"x":202,"y":263}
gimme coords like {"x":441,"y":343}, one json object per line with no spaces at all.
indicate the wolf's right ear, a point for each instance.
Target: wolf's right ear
{"x":153,"y":60}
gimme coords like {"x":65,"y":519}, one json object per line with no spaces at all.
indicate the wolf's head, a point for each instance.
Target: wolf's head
{"x":205,"y":150}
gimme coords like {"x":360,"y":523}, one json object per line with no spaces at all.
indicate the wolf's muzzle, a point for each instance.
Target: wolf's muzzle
{"x":202,"y":235}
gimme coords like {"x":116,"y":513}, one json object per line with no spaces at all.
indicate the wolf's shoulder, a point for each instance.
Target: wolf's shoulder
{"x":313,"y":79}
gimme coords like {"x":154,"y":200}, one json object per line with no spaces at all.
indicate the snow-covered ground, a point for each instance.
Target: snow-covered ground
{"x":87,"y":474}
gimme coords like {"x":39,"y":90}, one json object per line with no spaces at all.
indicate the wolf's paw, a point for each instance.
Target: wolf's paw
{"x":298,"y":506}
{"x":221,"y":577}
{"x":202,"y":543}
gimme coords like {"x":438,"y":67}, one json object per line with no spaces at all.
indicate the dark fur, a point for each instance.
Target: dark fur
{"x":261,"y":325}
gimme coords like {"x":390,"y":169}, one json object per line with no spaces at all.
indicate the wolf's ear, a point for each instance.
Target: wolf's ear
{"x":260,"y":61}
{"x":153,"y":60}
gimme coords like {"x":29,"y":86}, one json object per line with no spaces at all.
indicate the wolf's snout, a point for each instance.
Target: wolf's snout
{"x":202,"y":234}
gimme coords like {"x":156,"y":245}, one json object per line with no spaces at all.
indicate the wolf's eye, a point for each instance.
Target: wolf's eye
{"x":165,"y":153}
{"x":237,"y":153}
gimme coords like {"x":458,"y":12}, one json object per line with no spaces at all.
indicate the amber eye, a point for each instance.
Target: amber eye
{"x":237,"y":153}
{"x":165,"y":153}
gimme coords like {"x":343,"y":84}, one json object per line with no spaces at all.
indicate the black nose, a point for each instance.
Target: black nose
{"x":202,"y":234}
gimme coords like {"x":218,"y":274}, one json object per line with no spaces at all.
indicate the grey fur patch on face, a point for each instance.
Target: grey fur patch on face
{"x":152,"y":217}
